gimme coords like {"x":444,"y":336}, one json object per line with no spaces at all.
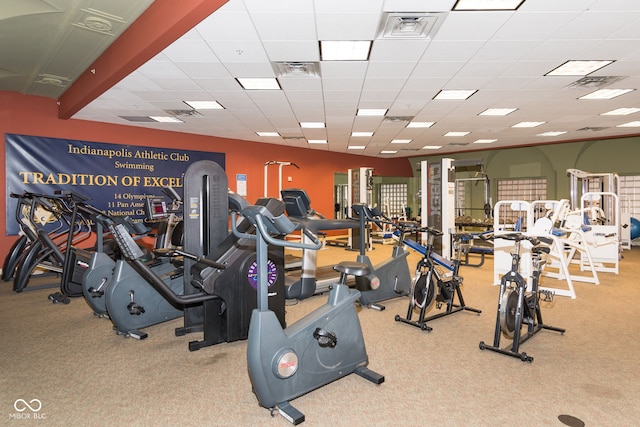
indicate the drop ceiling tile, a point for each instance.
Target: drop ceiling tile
{"x":397,"y":50}
{"x":176,"y":84}
{"x":239,"y":51}
{"x":437,"y":69}
{"x":250,"y":69}
{"x":288,"y":5}
{"x":190,"y":50}
{"x":227,"y":26}
{"x":382,"y":84}
{"x":418,"y":5}
{"x":293,"y":51}
{"x":310,"y":85}
{"x":347,"y":25}
{"x":356,"y":6}
{"x":282,"y":25}
{"x":470,"y":26}
{"x":343,"y":69}
{"x":204,"y":70}
{"x":596,"y":24}
{"x":396,"y":69}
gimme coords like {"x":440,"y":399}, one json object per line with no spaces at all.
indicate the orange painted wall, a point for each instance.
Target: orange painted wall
{"x":38,"y":116}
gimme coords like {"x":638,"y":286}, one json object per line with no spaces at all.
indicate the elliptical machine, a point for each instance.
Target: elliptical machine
{"x":325,"y":345}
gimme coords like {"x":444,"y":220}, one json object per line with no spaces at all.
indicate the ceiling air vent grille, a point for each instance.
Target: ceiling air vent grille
{"x":594,"y":81}
{"x":296,"y":69}
{"x":410,"y":25}
{"x":592,"y":129}
{"x":183,"y":113}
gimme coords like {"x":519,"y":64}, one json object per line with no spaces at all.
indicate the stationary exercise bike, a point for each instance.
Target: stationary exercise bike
{"x":437,"y":280}
{"x":388,"y":279}
{"x":516,"y":306}
{"x":325,"y":345}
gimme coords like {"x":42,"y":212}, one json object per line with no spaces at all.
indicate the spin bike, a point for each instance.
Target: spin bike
{"x":437,"y":280}
{"x":516,"y":306}
{"x":325,"y":345}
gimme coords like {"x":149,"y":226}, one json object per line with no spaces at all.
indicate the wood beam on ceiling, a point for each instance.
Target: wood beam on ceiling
{"x":161,"y":24}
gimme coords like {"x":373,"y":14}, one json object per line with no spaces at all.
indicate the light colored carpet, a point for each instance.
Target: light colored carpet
{"x":85,"y":375}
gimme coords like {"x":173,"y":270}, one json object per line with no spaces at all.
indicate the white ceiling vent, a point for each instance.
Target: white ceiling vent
{"x":592,"y":129}
{"x":403,"y":120}
{"x":296,"y":69}
{"x":183,"y":113}
{"x":594,"y":81}
{"x":410,"y":25}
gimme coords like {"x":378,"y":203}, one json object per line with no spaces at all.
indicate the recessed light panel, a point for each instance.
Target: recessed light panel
{"x":456,"y":133}
{"x":204,"y":105}
{"x":371,"y":112}
{"x":166,"y":119}
{"x":312,"y":125}
{"x":340,"y":50}
{"x":497,"y":111}
{"x":552,"y":133}
{"x":455,"y":94}
{"x":259,"y":83}
{"x":361,"y":133}
{"x":621,"y":112}
{"x":317,"y":141}
{"x":527,"y":124}
{"x":420,"y":124}
{"x":356,"y":147}
{"x":487,"y":4}
{"x":629,"y":125}
{"x":484,"y":141}
{"x":267,"y":133}
{"x":606,"y":93}
{"x":578,"y":68}
{"x":432,"y":147}
{"x":388,"y":152}
{"x":401,"y":141}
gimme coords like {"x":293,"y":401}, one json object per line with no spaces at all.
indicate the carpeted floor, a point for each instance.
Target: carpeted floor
{"x":71,"y":368}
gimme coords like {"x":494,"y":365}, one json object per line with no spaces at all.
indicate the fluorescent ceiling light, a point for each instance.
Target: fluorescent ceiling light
{"x":629,"y":125}
{"x":317,"y":141}
{"x":371,"y":112}
{"x":455,"y":94}
{"x":268,"y":133}
{"x":578,"y":68}
{"x":552,"y":133}
{"x":621,"y":112}
{"x":484,"y":141}
{"x":527,"y":124}
{"x":401,"y":141}
{"x":497,"y":111}
{"x":361,"y":133}
{"x":312,"y":125}
{"x":420,"y":124}
{"x":432,"y":147}
{"x":456,"y":133}
{"x":606,"y":93}
{"x":388,"y":152}
{"x":166,"y":119}
{"x":259,"y":83}
{"x":356,"y":147}
{"x":339,"y":50}
{"x":487,"y":4}
{"x":204,"y":105}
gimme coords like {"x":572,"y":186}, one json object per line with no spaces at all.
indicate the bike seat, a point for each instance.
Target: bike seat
{"x":352,"y":268}
{"x":539,"y":249}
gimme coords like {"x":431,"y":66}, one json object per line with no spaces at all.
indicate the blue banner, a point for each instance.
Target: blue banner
{"x":116,"y":178}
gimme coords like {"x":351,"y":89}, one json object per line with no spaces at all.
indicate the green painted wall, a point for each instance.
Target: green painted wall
{"x":621,"y":156}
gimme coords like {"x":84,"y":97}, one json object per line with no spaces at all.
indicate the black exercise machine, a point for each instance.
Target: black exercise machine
{"x":517,"y":306}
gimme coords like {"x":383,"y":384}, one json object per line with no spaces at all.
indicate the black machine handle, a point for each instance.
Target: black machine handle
{"x":133,"y":254}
